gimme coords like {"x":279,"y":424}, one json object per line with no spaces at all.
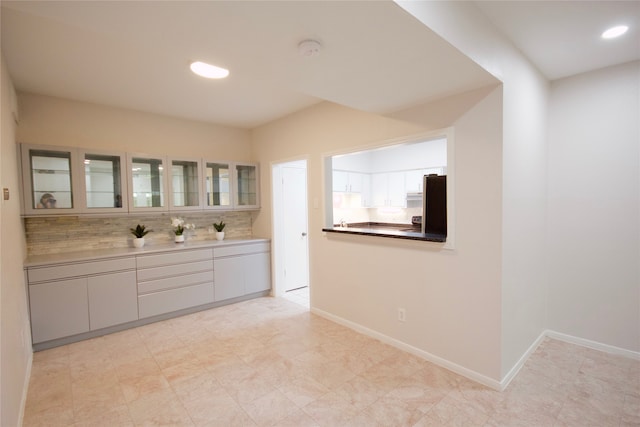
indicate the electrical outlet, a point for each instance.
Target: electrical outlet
{"x":402,"y":315}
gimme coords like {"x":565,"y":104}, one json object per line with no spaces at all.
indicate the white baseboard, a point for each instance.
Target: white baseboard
{"x":25,"y":389}
{"x":468,"y":373}
{"x":461,"y":370}
{"x":513,"y":372}
{"x":594,"y":345}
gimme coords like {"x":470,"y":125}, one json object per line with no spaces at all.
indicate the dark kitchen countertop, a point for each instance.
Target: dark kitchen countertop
{"x":381,"y":229}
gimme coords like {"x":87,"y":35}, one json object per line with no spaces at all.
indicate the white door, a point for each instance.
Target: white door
{"x":295,"y":227}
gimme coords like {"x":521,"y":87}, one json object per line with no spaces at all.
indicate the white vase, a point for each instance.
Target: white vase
{"x":220,"y":235}
{"x":138,"y":242}
{"x":179,"y":239}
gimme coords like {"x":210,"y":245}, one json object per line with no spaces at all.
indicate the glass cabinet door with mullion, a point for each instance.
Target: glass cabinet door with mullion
{"x":217,"y":185}
{"x":147,"y":183}
{"x":246,"y":186}
{"x":48,"y":178}
{"x":104,"y":182}
{"x":185,"y":182}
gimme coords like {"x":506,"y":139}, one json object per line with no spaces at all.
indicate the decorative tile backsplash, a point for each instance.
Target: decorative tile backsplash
{"x":50,"y":235}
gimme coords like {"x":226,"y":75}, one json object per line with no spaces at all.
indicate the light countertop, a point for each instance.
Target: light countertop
{"x":95,"y":254}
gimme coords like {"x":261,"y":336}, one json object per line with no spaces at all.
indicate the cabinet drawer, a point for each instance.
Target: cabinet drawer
{"x":177,"y":257}
{"x":174,"y":270}
{"x":174,"y":282}
{"x":40,"y":274}
{"x":174,"y":299}
{"x":241,"y":249}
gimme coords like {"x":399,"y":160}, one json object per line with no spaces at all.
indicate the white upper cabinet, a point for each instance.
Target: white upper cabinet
{"x":217,"y":185}
{"x":185,"y":179}
{"x":246,"y":186}
{"x":49,"y":180}
{"x":388,"y":189}
{"x":104,"y":185}
{"x":414,"y":178}
{"x":63,"y":180}
{"x":147,"y":183}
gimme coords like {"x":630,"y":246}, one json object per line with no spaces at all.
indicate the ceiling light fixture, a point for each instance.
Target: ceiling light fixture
{"x":309,"y":48}
{"x":614,"y":32}
{"x":209,"y":71}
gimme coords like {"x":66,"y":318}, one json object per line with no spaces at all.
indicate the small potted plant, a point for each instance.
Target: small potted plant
{"x":139,"y":232}
{"x":219,"y":226}
{"x":179,"y":226}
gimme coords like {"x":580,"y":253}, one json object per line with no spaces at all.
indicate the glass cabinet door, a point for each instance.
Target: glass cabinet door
{"x":217,"y":185}
{"x":48,"y":178}
{"x":246,"y":176}
{"x":104,"y":182}
{"x":148,"y":185}
{"x":185,"y":184}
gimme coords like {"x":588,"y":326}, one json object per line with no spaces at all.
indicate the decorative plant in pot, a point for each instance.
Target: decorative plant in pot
{"x":139,"y":232}
{"x":219,"y":229}
{"x":179,"y":227}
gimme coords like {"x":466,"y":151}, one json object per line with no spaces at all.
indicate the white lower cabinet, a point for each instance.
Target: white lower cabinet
{"x":229,"y":278}
{"x":112,"y":299}
{"x":69,"y":300}
{"x":241,"y":270}
{"x":174,"y":281}
{"x":257,"y":276}
{"x":58,"y":309}
{"x":73,"y":298}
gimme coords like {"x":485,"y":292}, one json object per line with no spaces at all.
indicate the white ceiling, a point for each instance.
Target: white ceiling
{"x":375,"y":56}
{"x":562,"y":38}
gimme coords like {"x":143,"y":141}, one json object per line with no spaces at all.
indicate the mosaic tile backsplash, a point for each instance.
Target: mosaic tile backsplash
{"x":50,"y":235}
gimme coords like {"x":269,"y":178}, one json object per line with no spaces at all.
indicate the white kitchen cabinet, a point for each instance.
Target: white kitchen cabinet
{"x":217,"y":185}
{"x":229,"y":277}
{"x":147,"y":183}
{"x":174,"y":281}
{"x":356,"y":182}
{"x":58,"y":309}
{"x":414,"y":178}
{"x":185,"y":181}
{"x":104,"y":183}
{"x":348,"y":182}
{"x":258,"y":275}
{"x":388,"y":189}
{"x":112,"y":299}
{"x":246,"y":185}
{"x":353,"y":182}
{"x":66,"y":180}
{"x":340,"y":181}
{"x":241,"y":270}
{"x":47,"y":180}
{"x":71,"y":298}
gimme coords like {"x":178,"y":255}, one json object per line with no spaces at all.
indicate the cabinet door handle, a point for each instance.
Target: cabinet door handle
{"x":304,"y":234}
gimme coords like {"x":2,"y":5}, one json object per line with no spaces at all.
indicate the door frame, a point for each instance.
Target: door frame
{"x":278,"y":227}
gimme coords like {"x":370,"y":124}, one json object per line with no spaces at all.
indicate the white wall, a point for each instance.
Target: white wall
{"x":419,"y":155}
{"x":15,"y":333}
{"x":594,"y":199}
{"x":55,"y":121}
{"x":524,"y":162}
{"x":452,"y":298}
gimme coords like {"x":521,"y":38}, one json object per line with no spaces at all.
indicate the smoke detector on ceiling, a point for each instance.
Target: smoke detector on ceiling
{"x":309,"y":48}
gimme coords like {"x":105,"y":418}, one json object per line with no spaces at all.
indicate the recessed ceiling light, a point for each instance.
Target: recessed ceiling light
{"x":614,"y":32}
{"x":209,"y":71}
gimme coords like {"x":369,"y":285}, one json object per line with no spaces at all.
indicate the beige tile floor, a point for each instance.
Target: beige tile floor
{"x":270,"y":361}
{"x":299,"y":296}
